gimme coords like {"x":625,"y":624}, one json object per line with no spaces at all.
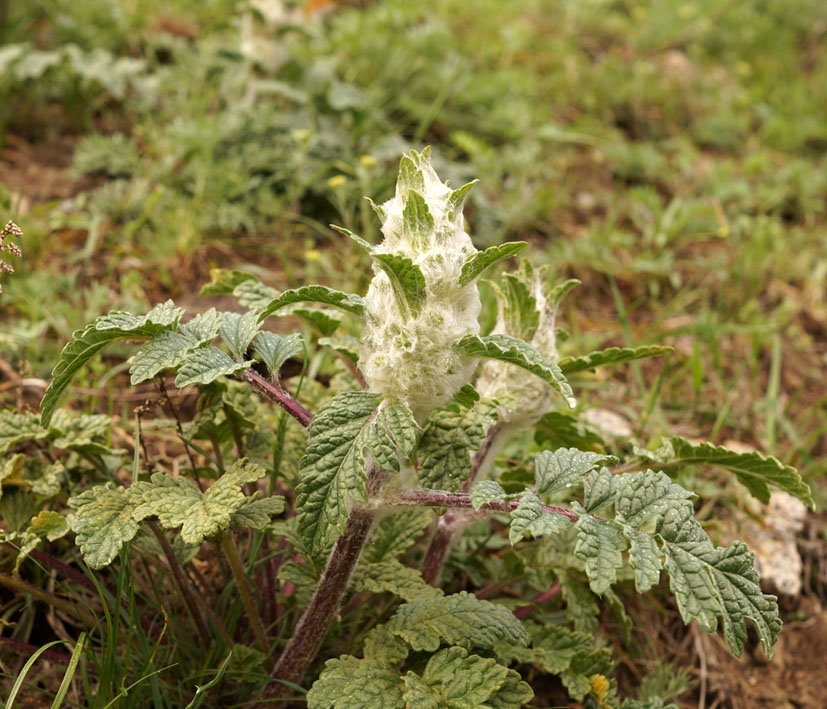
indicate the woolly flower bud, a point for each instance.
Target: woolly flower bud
{"x":416,"y":307}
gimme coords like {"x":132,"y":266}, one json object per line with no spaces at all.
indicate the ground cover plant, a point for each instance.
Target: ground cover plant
{"x":401,"y":432}
{"x":669,"y":156}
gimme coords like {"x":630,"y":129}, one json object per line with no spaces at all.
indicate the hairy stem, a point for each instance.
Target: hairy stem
{"x":277,"y":393}
{"x":314,"y":624}
{"x":441,"y":498}
{"x":243,"y":585}
{"x":182,"y":582}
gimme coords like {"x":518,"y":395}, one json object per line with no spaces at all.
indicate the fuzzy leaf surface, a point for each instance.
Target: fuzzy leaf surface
{"x":86,"y":343}
{"x":275,"y":349}
{"x":611,"y":355}
{"x":206,"y":364}
{"x":333,"y":466}
{"x":565,"y":467}
{"x":460,"y":619}
{"x":179,"y":503}
{"x":640,"y":497}
{"x":530,"y":519}
{"x":349,"y":683}
{"x":347,"y":302}
{"x":752,"y":469}
{"x":600,"y":543}
{"x":394,"y":577}
{"x":166,"y":350}
{"x":455,"y":679}
{"x":103,"y":522}
{"x":479,"y":262}
{"x":406,"y":279}
{"x":486,"y":491}
{"x":16,"y":427}
{"x":238,"y":332}
{"x":447,"y":440}
{"x":513,"y":351}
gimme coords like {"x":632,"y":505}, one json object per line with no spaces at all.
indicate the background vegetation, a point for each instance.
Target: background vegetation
{"x":671,"y":155}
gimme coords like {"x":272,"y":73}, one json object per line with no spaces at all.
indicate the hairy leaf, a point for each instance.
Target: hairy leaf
{"x":395,"y":534}
{"x":103,"y":522}
{"x":479,"y":262}
{"x":417,"y":221}
{"x":645,"y":557}
{"x":611,"y":355}
{"x":518,"y":307}
{"x":406,"y":279}
{"x":600,"y":543}
{"x":203,"y":327}
{"x":394,"y":577}
{"x":453,"y":678}
{"x":486,"y":491}
{"x":206,"y":364}
{"x":461,"y":619}
{"x":346,"y":346}
{"x":346,"y":302}
{"x":514,"y":351}
{"x":255,"y":511}
{"x":86,"y":343}
{"x":179,"y":503}
{"x":565,"y":467}
{"x":348,"y":683}
{"x":754,"y":470}
{"x":16,"y":427}
{"x":640,"y":497}
{"x":457,"y":198}
{"x":166,"y":350}
{"x":382,"y":645}
{"x":275,"y":350}
{"x":530,"y":519}
{"x":448,"y":437}
{"x":333,"y":467}
{"x":238,"y":332}
{"x":254,"y":295}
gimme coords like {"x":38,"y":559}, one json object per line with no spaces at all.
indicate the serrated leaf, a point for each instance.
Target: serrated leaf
{"x":406,"y":279}
{"x":456,"y":200}
{"x":479,"y":262}
{"x":753,"y":470}
{"x":513,"y":694}
{"x":16,"y":427}
{"x":461,"y":619}
{"x":203,"y":328}
{"x":556,"y":429}
{"x":166,"y":350}
{"x":179,"y":503}
{"x":455,"y":679}
{"x":518,"y":307}
{"x":640,"y":497}
{"x":348,"y":683}
{"x":238,"y":332}
{"x":513,"y":351}
{"x":275,"y":350}
{"x":611,"y":355}
{"x":555,"y":646}
{"x":347,"y":302}
{"x":583,"y":666}
{"x":600,"y":543}
{"x":410,"y":176}
{"x":206,"y":364}
{"x":448,"y":437}
{"x":223,"y":281}
{"x":599,"y":490}
{"x":300,"y":575}
{"x":393,"y":577}
{"x":565,"y":467}
{"x":255,"y":512}
{"x":645,"y":557}
{"x":417,"y":221}
{"x":333,"y":466}
{"x":382,"y":645}
{"x":486,"y":491}
{"x":102,"y":523}
{"x":86,"y":343}
{"x":710,"y":582}
{"x":529,"y":518}
{"x":85,"y":433}
{"x":161,"y":316}
{"x":254,"y":295}
{"x":395,"y":534}
{"x":561,"y":290}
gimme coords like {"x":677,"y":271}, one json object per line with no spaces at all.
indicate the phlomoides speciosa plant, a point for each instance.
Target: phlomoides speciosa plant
{"x":401,"y":451}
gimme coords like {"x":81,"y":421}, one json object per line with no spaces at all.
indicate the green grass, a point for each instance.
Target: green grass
{"x":671,"y":155}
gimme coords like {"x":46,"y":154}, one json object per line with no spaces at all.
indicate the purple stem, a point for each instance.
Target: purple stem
{"x":277,"y":393}
{"x":441,"y":498}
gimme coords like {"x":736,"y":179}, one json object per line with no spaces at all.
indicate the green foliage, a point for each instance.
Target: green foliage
{"x":346,"y":302}
{"x":481,"y":261}
{"x":612,"y":355}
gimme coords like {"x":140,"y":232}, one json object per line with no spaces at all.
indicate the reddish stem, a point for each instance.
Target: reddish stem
{"x":277,"y":393}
